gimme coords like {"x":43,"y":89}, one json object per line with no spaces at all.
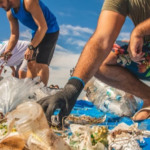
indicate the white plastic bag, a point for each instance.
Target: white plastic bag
{"x":15,"y":91}
{"x":109,"y":99}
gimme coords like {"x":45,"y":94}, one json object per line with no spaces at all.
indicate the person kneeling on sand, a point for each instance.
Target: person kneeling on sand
{"x":111,"y":63}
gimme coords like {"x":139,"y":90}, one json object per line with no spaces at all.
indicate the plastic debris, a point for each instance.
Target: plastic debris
{"x":15,"y":91}
{"x":109,"y":99}
{"x":31,"y":125}
{"x":86,"y":138}
{"x":125,"y":137}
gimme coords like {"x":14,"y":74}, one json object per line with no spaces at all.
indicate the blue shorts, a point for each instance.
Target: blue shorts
{"x":141,"y":71}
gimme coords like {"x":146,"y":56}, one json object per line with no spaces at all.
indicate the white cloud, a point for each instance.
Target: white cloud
{"x":79,"y":43}
{"x":64,"y":31}
{"x":60,"y":48}
{"x":74,"y":30}
{"x":62,"y":61}
{"x":26,"y":35}
{"x":124,"y":36}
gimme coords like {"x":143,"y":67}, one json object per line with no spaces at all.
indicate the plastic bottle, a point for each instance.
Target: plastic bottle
{"x":30,"y":118}
{"x":32,"y":125}
{"x":113,"y":93}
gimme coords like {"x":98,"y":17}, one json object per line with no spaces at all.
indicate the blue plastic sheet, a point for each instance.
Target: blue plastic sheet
{"x":87,"y":108}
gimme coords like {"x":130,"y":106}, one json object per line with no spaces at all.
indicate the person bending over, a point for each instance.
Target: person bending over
{"x":111,"y":63}
{"x":45,"y":32}
{"x":16,"y":60}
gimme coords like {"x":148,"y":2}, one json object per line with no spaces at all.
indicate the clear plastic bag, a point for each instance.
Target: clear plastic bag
{"x":45,"y":91}
{"x":15,"y":91}
{"x":109,"y":99}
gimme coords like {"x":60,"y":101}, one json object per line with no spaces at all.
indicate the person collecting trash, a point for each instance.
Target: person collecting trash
{"x":99,"y":58}
{"x":15,"y":60}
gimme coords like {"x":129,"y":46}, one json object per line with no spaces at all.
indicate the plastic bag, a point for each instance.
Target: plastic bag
{"x":109,"y":99}
{"x":15,"y":91}
{"x":43,"y":92}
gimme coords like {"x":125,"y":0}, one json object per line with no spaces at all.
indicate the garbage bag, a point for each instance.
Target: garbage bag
{"x":109,"y":99}
{"x":15,"y":91}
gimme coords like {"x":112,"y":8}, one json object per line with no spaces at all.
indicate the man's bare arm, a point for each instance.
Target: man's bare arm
{"x":142,"y":29}
{"x":136,"y":41}
{"x":99,"y":45}
{"x":94,"y":53}
{"x":14,"y":28}
{"x":39,"y":19}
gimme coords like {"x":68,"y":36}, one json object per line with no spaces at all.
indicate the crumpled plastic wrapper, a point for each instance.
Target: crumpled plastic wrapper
{"x":124,"y":137}
{"x":81,"y":138}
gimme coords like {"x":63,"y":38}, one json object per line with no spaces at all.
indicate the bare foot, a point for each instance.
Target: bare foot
{"x":144,"y":113}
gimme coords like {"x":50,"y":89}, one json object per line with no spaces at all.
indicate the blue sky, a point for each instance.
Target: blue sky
{"x":77,"y":20}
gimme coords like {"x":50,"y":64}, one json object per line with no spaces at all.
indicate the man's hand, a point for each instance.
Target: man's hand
{"x":28,"y":54}
{"x":6,"y":55}
{"x":135,"y":48}
{"x":63,"y":100}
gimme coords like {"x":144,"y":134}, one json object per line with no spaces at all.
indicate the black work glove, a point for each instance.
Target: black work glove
{"x":65,"y":100}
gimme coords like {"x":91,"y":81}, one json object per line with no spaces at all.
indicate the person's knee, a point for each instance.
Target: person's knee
{"x":99,"y":73}
{"x":102,"y":71}
{"x":22,"y":74}
{"x":110,"y":61}
{"x":40,"y":66}
{"x":31,"y":65}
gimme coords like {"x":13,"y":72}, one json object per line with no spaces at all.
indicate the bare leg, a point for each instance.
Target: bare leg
{"x":43,"y":73}
{"x":22,"y":74}
{"x":32,"y":70}
{"x":37,"y":69}
{"x":14,"y":74}
{"x":119,"y":77}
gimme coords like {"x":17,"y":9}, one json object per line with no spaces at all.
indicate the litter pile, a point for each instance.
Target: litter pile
{"x":23,"y":125}
{"x":84,"y":119}
{"x":26,"y":127}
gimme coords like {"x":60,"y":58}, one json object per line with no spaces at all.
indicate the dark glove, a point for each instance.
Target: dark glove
{"x":65,"y":99}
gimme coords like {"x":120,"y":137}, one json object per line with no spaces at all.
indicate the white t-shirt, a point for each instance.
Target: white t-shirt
{"x":17,"y":53}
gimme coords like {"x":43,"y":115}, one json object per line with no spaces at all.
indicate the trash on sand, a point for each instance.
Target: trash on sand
{"x":31,"y":126}
{"x":125,"y":137}
{"x":87,"y":138}
{"x":85,"y":119}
